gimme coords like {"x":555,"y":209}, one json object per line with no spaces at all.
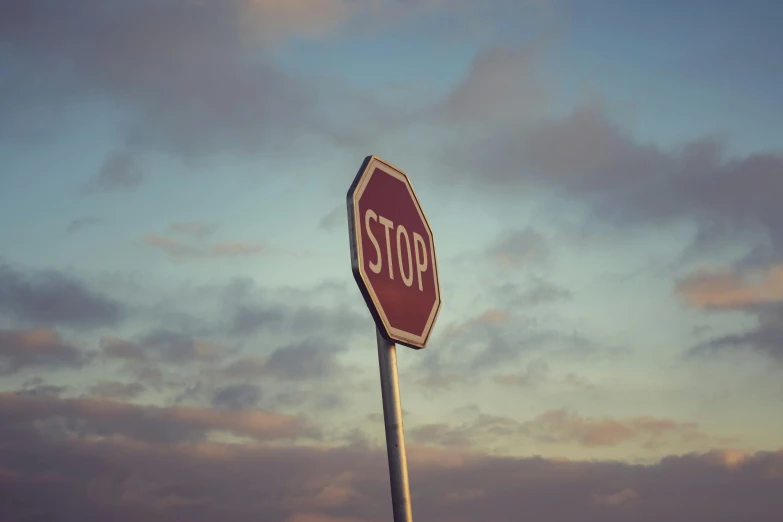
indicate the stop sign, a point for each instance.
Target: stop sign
{"x":393,"y":253}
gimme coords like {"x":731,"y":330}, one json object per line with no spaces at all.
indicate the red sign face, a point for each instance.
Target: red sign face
{"x":393,"y":253}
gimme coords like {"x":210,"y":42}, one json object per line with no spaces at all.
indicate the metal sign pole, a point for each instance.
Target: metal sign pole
{"x":395,"y":438}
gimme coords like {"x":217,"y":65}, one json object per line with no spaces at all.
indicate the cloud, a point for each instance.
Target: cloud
{"x":181,"y":70}
{"x":728,"y":289}
{"x":98,"y":417}
{"x":536,"y":291}
{"x":118,"y":172}
{"x":116,"y":390}
{"x":308,"y":360}
{"x":502,"y":85}
{"x":82,"y":223}
{"x":55,"y":298}
{"x":315,"y":517}
{"x":36,"y":387}
{"x":302,"y":361}
{"x":483,"y":428}
{"x":758,"y":292}
{"x":334,"y":219}
{"x":588,"y":158}
{"x":189,"y":78}
{"x":765,"y":339}
{"x":178,"y":250}
{"x":237,"y":396}
{"x":519,"y":247}
{"x":273,"y":19}
{"x":625,"y":497}
{"x":121,"y":349}
{"x":247,"y":320}
{"x":323,"y":311}
{"x":161,"y":346}
{"x":38,"y":348}
{"x":562,"y":426}
{"x":196,"y":229}
{"x":172,"y":479}
{"x":497,"y":338}
{"x":537,"y":372}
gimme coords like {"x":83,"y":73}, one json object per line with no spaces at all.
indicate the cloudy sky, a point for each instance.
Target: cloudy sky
{"x":180,"y":334}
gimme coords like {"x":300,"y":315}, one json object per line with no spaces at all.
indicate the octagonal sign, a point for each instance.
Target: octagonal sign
{"x":393,"y":253}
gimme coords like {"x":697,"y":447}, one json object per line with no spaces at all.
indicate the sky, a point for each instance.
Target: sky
{"x":181,"y":337}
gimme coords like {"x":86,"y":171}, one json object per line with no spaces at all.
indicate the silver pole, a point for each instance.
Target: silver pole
{"x":395,"y":438}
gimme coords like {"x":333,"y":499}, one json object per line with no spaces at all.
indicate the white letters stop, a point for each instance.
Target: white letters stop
{"x":406,"y":271}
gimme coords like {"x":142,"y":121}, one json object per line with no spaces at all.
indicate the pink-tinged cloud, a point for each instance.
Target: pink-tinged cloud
{"x":563,"y":426}
{"x":626,"y":497}
{"x":731,"y":289}
{"x":40,"y":348}
{"x":179,"y":250}
{"x":314,"y":517}
{"x":275,"y":19}
{"x":493,"y":317}
{"x":758,"y":292}
{"x":89,"y":478}
{"x":102,"y":417}
{"x":191,"y":228}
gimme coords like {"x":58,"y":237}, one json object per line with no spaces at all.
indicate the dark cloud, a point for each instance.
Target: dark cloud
{"x":82,"y":223}
{"x":536,"y":291}
{"x":182,"y":69}
{"x":39,"y":348}
{"x":468,"y":434}
{"x":253,"y":310}
{"x":588,"y":157}
{"x":501,"y":86}
{"x":247,"y":320}
{"x":119,"y":172}
{"x":100,"y":417}
{"x":236,"y":396}
{"x":335,"y":219}
{"x":757,"y":292}
{"x":175,"y":347}
{"x":116,"y":390}
{"x":55,"y":298}
{"x":161,"y":346}
{"x":121,"y":349}
{"x":307,"y":360}
{"x":41,"y":390}
{"x":249,"y":367}
{"x":90,"y":479}
{"x":495,"y":339}
{"x":765,"y":339}
{"x":191,"y":78}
